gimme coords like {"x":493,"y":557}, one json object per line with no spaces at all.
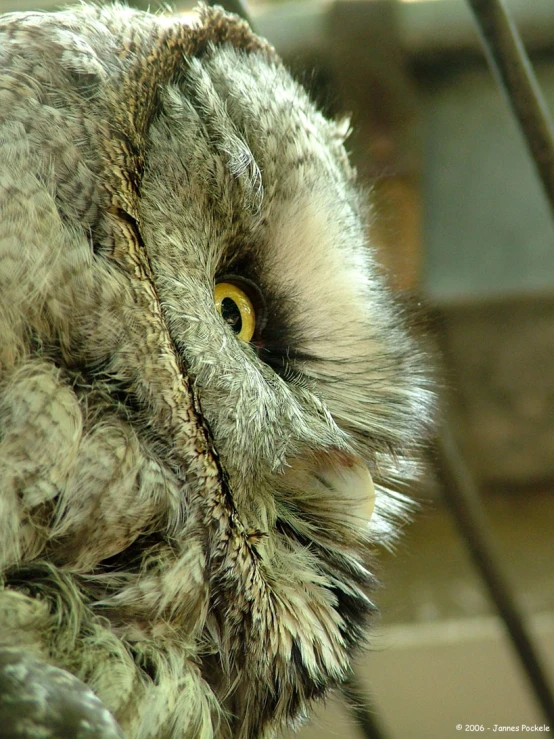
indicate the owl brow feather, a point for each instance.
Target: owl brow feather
{"x":225,"y":136}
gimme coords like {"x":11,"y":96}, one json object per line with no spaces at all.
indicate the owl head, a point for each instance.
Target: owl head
{"x":234,"y":386}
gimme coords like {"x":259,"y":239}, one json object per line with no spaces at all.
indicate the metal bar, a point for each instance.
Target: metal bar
{"x":462,"y":496}
{"x":360,"y":706}
{"x":509,"y":61}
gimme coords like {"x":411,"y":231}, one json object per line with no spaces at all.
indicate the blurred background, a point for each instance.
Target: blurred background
{"x":460,"y":221}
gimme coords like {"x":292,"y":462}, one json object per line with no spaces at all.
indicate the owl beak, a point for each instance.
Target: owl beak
{"x":352,"y":481}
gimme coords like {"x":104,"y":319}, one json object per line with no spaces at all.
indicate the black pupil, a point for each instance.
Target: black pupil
{"x":230,"y":312}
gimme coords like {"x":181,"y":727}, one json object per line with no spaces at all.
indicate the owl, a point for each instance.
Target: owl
{"x":207,"y":395}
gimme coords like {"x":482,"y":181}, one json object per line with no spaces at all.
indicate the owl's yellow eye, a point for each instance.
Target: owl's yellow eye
{"x":236,"y":309}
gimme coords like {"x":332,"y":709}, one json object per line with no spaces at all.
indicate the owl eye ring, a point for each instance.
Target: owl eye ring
{"x":236,"y":309}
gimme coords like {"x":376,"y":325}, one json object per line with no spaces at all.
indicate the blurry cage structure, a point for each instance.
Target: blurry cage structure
{"x":509,"y":62}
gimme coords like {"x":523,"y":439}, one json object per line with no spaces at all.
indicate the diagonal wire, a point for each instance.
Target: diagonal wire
{"x":361,"y":707}
{"x":462,"y":496}
{"x":509,"y":61}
